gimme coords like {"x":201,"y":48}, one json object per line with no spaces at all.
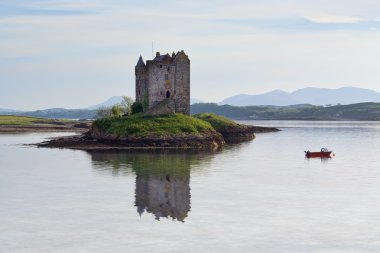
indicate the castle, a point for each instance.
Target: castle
{"x":165,"y":78}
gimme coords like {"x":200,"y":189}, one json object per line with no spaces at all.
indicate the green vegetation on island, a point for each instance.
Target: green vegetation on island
{"x":219,"y":123}
{"x":140,"y":125}
{"x":231,"y":131}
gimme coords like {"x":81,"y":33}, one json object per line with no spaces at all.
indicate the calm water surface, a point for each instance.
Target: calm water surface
{"x":260,"y":196}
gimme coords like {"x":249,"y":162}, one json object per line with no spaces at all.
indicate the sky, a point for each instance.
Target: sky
{"x":76,"y":53}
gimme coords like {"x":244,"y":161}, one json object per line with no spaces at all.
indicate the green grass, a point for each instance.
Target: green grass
{"x":20,"y":120}
{"x":142,"y":126}
{"x":219,"y":123}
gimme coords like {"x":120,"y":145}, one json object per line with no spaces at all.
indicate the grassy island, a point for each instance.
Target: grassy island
{"x":141,"y":131}
{"x":165,"y":131}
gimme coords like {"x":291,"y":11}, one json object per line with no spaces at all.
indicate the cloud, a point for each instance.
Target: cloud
{"x":21,"y":8}
{"x":247,"y":46}
{"x":331,"y":19}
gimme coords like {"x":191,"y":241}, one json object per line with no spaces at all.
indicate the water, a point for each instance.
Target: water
{"x":260,"y":196}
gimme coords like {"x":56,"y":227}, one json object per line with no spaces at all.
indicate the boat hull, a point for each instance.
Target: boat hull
{"x":318,"y":154}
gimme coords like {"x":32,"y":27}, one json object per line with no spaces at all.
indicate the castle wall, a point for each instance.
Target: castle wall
{"x":161,"y":80}
{"x":182,"y":84}
{"x":141,"y":83}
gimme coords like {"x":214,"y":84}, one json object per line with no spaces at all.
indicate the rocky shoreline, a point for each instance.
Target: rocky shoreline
{"x":210,"y":141}
{"x":95,"y":139}
{"x":242,"y":133}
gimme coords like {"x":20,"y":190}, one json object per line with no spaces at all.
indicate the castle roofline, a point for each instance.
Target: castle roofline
{"x":180,"y":53}
{"x":140,"y":62}
{"x":166,"y":58}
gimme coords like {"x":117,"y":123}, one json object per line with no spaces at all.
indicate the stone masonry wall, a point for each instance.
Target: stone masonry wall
{"x":182,"y":84}
{"x":161,"y":79}
{"x":141,"y":83}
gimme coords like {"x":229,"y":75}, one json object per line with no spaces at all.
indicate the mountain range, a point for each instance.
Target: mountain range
{"x":62,"y":113}
{"x":302,"y":97}
{"x":313,"y":96}
{"x":117,"y":99}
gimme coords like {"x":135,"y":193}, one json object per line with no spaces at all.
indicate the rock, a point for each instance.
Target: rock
{"x":238,"y":133}
{"x":165,"y":107}
{"x":82,"y":125}
{"x":96,"y":139}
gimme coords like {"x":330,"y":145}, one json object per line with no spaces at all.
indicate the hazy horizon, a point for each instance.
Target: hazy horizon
{"x":106,"y":100}
{"x":73,"y":54}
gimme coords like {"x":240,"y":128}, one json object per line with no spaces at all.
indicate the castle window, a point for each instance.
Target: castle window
{"x":166,"y":77}
{"x":160,"y":66}
{"x":168,"y":69}
{"x":168,"y":94}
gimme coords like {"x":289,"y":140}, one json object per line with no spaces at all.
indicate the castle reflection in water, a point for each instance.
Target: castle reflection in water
{"x":164,"y":195}
{"x":162,"y":180}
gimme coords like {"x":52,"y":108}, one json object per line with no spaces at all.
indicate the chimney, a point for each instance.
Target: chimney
{"x":157,"y":54}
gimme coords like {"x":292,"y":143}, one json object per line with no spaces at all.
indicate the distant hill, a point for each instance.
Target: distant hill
{"x":195,"y":101}
{"x":361,"y":111}
{"x":314,"y":96}
{"x":108,"y":103}
{"x":55,"y":113}
{"x":118,"y":99}
{"x":62,"y":113}
{"x":300,"y":104}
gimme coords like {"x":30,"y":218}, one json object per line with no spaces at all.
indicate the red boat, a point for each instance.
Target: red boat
{"x":324,"y":153}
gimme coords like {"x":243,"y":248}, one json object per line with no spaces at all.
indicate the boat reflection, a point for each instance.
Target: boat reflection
{"x":162,"y":179}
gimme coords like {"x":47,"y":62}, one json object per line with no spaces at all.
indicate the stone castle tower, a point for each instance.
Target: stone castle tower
{"x":164,"y":78}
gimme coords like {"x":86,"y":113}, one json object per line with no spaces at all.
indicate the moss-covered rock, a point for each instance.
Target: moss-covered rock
{"x":232,"y":132}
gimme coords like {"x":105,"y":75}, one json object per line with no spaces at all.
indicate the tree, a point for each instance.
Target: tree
{"x":124,"y":107}
{"x":136,"y":108}
{"x":103,"y":112}
{"x":126,"y":104}
{"x":117,"y":110}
